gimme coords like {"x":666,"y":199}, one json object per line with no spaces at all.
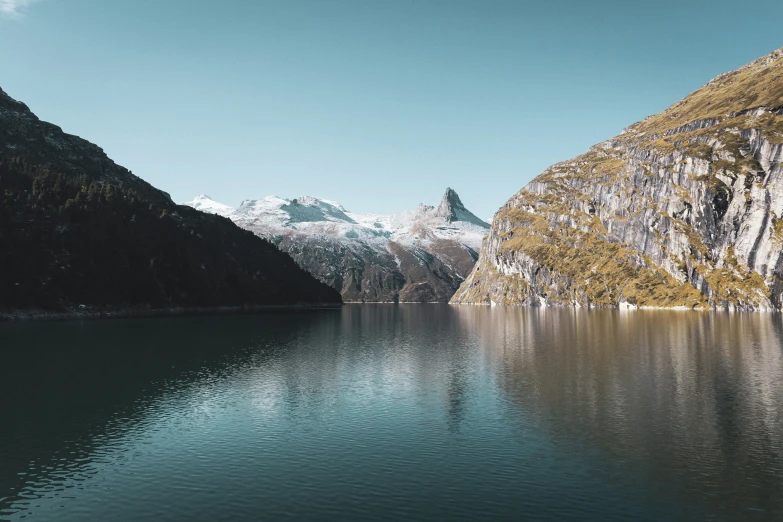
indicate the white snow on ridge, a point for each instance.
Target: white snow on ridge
{"x":204,"y":203}
{"x":313,"y":216}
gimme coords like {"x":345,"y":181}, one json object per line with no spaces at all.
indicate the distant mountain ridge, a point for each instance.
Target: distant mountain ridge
{"x":420,"y":255}
{"x":80,"y":233}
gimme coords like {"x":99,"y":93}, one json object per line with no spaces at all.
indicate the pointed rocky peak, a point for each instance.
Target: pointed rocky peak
{"x":449,"y":205}
{"x":451,"y":209}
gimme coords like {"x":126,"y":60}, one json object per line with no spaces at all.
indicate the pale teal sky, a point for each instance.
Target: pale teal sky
{"x":377,"y":104}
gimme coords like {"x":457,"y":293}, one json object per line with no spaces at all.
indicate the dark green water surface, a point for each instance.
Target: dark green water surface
{"x":394,"y":412}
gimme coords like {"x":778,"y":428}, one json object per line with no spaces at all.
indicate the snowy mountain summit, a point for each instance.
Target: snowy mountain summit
{"x":421,"y":255}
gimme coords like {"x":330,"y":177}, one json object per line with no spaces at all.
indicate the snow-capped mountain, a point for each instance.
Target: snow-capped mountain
{"x":421,"y":255}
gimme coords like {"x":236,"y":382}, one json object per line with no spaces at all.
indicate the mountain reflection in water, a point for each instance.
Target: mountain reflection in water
{"x":394,"y":411}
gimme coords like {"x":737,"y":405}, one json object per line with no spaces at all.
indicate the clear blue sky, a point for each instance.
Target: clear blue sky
{"x":378,"y":104}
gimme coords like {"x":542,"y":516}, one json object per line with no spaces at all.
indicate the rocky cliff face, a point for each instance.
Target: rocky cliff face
{"x":683,"y":209}
{"x":417,"y":256}
{"x":79,"y":232}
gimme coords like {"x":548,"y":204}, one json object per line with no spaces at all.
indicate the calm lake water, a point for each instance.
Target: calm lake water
{"x":409,"y":412}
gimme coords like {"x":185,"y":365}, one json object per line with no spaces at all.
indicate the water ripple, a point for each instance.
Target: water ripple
{"x":394,"y":412}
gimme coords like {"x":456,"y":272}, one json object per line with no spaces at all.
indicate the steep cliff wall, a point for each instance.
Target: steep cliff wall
{"x":682,"y":209}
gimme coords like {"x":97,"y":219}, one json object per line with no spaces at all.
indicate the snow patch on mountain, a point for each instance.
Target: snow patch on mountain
{"x":313,"y":216}
{"x":206,"y":204}
{"x":421,"y":255}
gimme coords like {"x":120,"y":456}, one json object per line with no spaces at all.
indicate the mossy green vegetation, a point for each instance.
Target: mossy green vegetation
{"x":777,"y":229}
{"x":758,"y":84}
{"x":597,"y":268}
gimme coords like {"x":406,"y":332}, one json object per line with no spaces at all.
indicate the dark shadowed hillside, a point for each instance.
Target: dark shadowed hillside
{"x":77,"y":229}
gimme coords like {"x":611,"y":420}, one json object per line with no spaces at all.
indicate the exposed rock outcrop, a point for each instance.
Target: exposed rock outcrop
{"x":683,"y":209}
